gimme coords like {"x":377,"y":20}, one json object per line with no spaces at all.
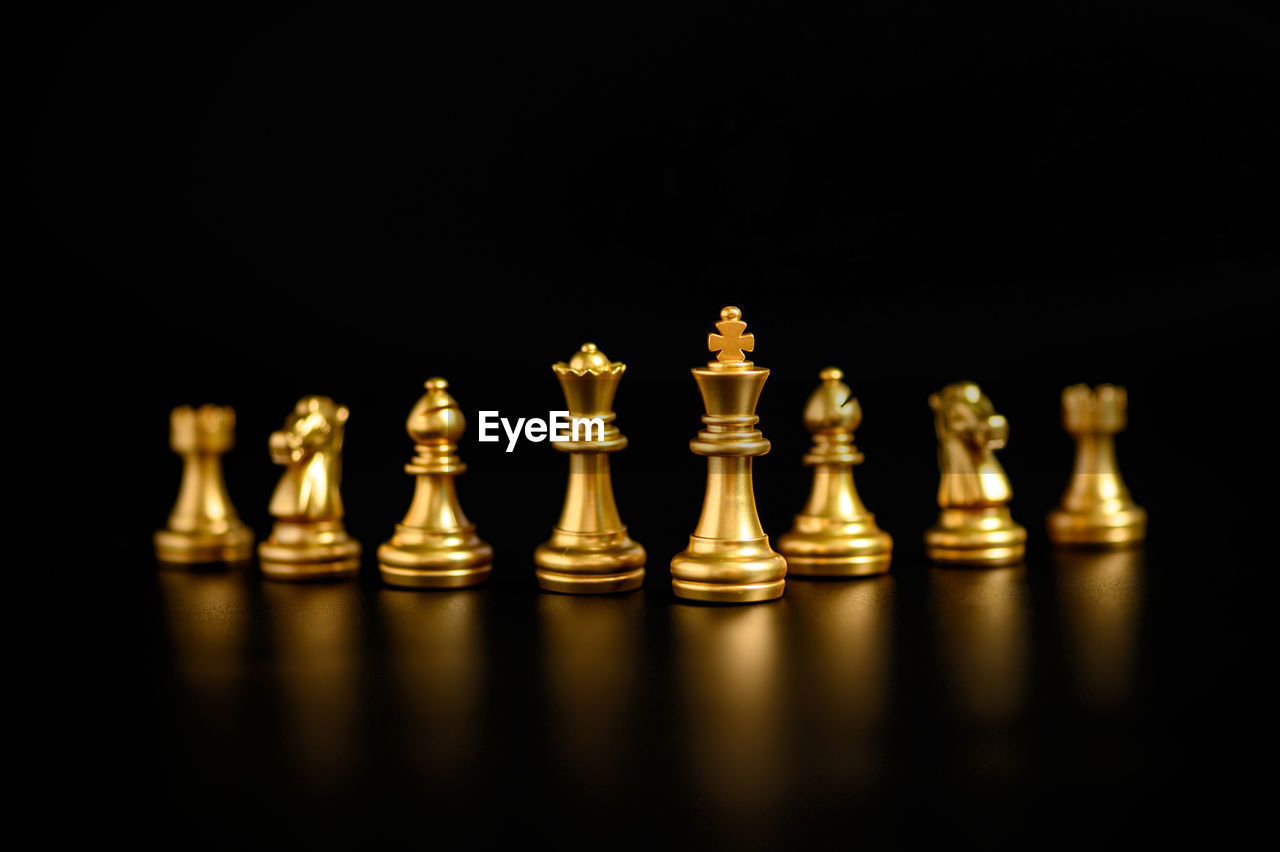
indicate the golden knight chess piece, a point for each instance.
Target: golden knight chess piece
{"x":729,"y":559}
{"x":835,"y":535}
{"x":203,"y":527}
{"x":1096,"y":509}
{"x":589,"y":551}
{"x":974,"y":527}
{"x":435,"y":546}
{"x":308,"y":541}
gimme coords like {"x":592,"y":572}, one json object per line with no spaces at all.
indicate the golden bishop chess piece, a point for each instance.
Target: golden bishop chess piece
{"x":835,"y":535}
{"x":435,"y":546}
{"x":308,"y":541}
{"x":974,"y":527}
{"x":589,"y":551}
{"x":1096,"y":509}
{"x":203,"y":527}
{"x":729,"y":559}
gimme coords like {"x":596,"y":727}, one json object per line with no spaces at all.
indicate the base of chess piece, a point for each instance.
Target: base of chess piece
{"x":836,"y":547}
{"x":302,"y":552}
{"x":419,"y":559}
{"x":1102,"y":529}
{"x":180,"y":549}
{"x":578,"y":563}
{"x":717,"y":570}
{"x":976,"y":536}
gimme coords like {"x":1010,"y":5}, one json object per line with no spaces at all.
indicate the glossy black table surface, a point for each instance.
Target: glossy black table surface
{"x":1091,"y":696}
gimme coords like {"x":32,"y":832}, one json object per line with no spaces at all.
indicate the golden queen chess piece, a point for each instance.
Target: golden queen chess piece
{"x":308,"y":541}
{"x":835,"y":535}
{"x":1096,"y":508}
{"x":589,"y":551}
{"x":203,"y":527}
{"x":974,"y":527}
{"x":729,"y":559}
{"x":435,"y":546}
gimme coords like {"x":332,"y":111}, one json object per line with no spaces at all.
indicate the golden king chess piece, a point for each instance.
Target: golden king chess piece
{"x":729,"y":559}
{"x":589,"y":551}
{"x":203,"y":526}
{"x":308,"y":541}
{"x":835,"y":535}
{"x":435,"y":546}
{"x":1096,"y":509}
{"x":974,"y":527}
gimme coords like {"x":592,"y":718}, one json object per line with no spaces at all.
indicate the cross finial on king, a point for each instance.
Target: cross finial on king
{"x":731,"y":343}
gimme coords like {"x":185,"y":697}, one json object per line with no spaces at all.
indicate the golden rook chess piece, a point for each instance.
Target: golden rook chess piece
{"x":308,"y":541}
{"x":1096,"y":508}
{"x":728,"y":559}
{"x":835,"y":535}
{"x":974,"y":527}
{"x":435,"y":546}
{"x":203,"y":526}
{"x":589,"y":551}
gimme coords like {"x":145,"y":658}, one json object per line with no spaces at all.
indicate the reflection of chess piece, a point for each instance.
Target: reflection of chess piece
{"x":1096,"y":508}
{"x":733,"y":678}
{"x":980,"y":623}
{"x":435,"y":546}
{"x":308,"y":541}
{"x":974,"y":527}
{"x":313,"y":631}
{"x":203,"y":526}
{"x":835,"y":535}
{"x":841,"y":678}
{"x":729,"y":559}
{"x":589,"y":550}
{"x":592,"y":711}
{"x":1100,"y":594}
{"x":437,"y":662}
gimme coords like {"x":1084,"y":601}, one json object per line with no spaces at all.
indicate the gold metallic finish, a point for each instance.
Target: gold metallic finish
{"x":203,"y":527}
{"x":308,"y":541}
{"x":435,"y":546}
{"x":835,"y":535}
{"x":589,"y":551}
{"x":1096,"y":510}
{"x":974,"y":527}
{"x":729,"y":559}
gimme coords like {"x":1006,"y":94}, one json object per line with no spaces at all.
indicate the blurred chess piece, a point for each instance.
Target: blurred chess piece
{"x":974,"y":527}
{"x":203,"y":527}
{"x":308,"y":541}
{"x":435,"y":546}
{"x":590,"y":551}
{"x":729,"y":559}
{"x":1096,"y":509}
{"x":835,"y":535}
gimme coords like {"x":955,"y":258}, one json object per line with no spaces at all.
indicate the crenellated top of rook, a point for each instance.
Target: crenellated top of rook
{"x":1101,"y":409}
{"x":209,"y":428}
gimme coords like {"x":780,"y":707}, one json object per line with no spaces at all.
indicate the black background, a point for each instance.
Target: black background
{"x":242,"y":205}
